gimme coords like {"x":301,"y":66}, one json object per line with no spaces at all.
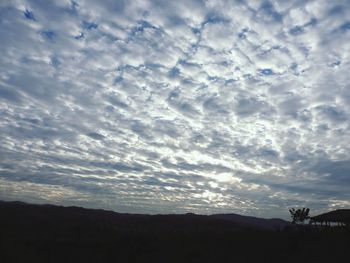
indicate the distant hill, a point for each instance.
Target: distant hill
{"x":340,"y":215}
{"x":255,"y":222}
{"x":23,"y":213}
{"x":49,"y":233}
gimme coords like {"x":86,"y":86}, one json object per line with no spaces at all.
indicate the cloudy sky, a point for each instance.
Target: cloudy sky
{"x":176,"y":106}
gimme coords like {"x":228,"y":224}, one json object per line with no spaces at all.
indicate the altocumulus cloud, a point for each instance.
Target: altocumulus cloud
{"x":176,"y":106}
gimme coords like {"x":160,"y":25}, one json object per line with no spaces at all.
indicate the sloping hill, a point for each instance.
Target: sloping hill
{"x":254,"y":222}
{"x":24,"y":214}
{"x":340,"y":215}
{"x":47,"y":233}
{"x":43,"y":218}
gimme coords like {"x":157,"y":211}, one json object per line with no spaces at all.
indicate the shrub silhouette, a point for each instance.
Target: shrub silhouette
{"x":299,"y":215}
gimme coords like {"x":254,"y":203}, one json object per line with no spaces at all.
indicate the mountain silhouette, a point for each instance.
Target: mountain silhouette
{"x":49,"y":233}
{"x":254,"y":222}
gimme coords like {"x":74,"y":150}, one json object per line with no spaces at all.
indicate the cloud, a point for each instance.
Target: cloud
{"x":176,"y":106}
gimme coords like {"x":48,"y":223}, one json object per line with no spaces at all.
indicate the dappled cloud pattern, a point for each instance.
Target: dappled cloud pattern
{"x":176,"y":106}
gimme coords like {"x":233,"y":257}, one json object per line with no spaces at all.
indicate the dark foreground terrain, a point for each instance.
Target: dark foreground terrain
{"x":45,"y":233}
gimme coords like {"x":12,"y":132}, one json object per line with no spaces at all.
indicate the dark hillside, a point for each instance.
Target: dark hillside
{"x":46,"y":233}
{"x":255,"y":222}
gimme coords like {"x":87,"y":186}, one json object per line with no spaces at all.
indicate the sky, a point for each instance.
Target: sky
{"x":176,"y":106}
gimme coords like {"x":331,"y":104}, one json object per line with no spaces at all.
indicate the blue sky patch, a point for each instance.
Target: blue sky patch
{"x":29,"y":15}
{"x":266,"y":72}
{"x":48,"y":34}
{"x":296,"y":30}
{"x":89,"y":25}
{"x":345,"y":26}
{"x":55,"y":62}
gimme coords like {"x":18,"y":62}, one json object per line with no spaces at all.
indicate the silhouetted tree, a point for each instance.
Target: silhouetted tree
{"x":299,"y":215}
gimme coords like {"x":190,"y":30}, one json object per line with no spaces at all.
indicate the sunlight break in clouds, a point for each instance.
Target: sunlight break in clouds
{"x":176,"y":106}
